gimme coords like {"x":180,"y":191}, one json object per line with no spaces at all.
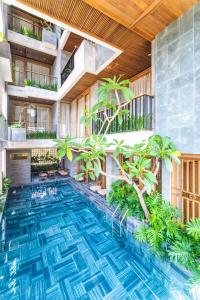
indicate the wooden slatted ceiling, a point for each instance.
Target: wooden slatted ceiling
{"x":73,"y":42}
{"x":145,"y":17}
{"x":32,"y":54}
{"x":86,"y":81}
{"x":80,"y":15}
{"x":129,"y":25}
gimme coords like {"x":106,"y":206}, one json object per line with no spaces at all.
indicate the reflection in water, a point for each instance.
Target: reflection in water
{"x":12,"y":281}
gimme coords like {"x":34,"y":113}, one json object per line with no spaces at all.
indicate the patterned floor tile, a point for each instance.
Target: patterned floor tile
{"x":57,"y":246}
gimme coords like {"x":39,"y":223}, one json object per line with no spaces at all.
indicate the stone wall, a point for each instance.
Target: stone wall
{"x":18,"y":170}
{"x":177,"y":81}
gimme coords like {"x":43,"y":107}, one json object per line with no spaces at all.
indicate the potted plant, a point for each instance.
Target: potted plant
{"x":17,"y":132}
{"x":49,"y":38}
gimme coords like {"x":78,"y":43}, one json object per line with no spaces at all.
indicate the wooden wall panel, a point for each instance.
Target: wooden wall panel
{"x":186,"y":186}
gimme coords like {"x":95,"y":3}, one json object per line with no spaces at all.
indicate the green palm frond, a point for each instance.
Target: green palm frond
{"x":140,"y":234}
{"x":193,"y":228}
{"x":181,"y":252}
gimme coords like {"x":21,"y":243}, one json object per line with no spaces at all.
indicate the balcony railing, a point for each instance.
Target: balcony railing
{"x":25,"y":27}
{"x":33,"y":79}
{"x":140,"y":117}
{"x":68,"y":68}
{"x":36,"y":130}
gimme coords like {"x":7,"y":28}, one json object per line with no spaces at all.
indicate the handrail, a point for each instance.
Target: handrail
{"x":24,"y":77}
{"x":140,"y":117}
{"x":35,"y":126}
{"x":40,"y":74}
{"x":69,"y":67}
{"x":25,"y":20}
{"x":31,"y":29}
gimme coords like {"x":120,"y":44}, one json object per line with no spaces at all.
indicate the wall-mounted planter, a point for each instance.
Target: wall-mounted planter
{"x":49,"y":39}
{"x":5,"y":62}
{"x":17,"y":134}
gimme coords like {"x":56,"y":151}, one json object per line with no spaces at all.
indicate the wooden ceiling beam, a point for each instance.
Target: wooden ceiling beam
{"x":109,"y":12}
{"x":150,"y":9}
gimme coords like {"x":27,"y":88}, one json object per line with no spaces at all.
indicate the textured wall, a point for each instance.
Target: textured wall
{"x":112,"y":169}
{"x":177,"y":81}
{"x":19,"y":171}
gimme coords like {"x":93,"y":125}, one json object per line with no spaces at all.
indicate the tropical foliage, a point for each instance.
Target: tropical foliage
{"x":41,"y":135}
{"x":46,"y":86}
{"x":5,"y":186}
{"x":134,"y":191}
{"x":125,"y":198}
{"x":142,"y":171}
{"x":28,"y":32}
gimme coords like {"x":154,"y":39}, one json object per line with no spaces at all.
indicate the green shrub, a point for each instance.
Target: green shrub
{"x":44,"y":167}
{"x":41,"y":135}
{"x":125,"y":197}
{"x":16,"y":125}
{"x":5,"y":186}
{"x":33,"y":83}
{"x":165,"y":233}
{"x":168,"y":237}
{"x":30,"y":33}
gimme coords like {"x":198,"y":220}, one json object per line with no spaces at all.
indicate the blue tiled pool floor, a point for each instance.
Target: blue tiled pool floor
{"x":55,"y":247}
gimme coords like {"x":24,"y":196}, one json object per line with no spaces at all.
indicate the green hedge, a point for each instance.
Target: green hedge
{"x":44,"y":167}
{"x":41,"y":135}
{"x":51,"y":87}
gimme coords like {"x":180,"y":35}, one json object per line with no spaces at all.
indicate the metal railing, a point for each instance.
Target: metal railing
{"x":68,"y":68}
{"x":36,"y":126}
{"x":25,"y":27}
{"x":140,"y":117}
{"x":34,"y":79}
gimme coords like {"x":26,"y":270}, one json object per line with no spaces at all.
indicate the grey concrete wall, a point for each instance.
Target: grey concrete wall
{"x":177,"y":81}
{"x":102,"y":54}
{"x":19,"y":171}
{"x":111,"y":169}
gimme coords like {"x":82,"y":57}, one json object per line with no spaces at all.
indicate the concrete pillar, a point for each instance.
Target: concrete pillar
{"x":111,"y":169}
{"x":166,"y":183}
{"x":72,"y":166}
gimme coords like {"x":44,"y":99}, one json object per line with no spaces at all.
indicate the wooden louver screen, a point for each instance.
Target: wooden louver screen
{"x":186,"y":186}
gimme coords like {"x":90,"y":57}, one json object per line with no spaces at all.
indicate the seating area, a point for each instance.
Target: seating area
{"x":51,"y":174}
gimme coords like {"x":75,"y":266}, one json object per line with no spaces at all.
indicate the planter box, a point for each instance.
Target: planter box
{"x":17,"y":134}
{"x":49,"y":39}
{"x":5,"y":62}
{"x":132,"y":223}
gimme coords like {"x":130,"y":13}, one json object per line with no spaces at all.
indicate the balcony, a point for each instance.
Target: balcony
{"x":86,"y":61}
{"x":35,"y":85}
{"x":140,"y":117}
{"x":31,"y":135}
{"x":25,"y":27}
{"x":31,"y":35}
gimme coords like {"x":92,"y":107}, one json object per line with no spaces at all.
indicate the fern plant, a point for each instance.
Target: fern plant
{"x":181,"y":251}
{"x":193,"y":228}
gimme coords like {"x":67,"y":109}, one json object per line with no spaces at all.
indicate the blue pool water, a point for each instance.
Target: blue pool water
{"x":57,"y":245}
